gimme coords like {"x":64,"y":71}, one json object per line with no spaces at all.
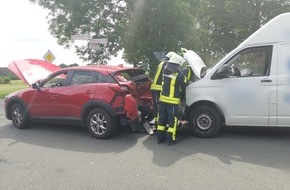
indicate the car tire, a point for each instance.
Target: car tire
{"x":204,"y":122}
{"x":18,"y":116}
{"x":100,"y":124}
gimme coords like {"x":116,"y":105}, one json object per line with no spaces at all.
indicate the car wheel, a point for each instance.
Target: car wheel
{"x":100,"y":124}
{"x":204,"y":122}
{"x":18,"y":116}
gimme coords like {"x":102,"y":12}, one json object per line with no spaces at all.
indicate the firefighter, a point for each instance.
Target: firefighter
{"x":157,"y":81}
{"x":188,"y":73}
{"x":174,"y":82}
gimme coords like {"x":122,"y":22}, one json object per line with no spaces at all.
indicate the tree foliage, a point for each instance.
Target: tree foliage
{"x":209,"y":27}
{"x":156,"y":25}
{"x":222,"y":25}
{"x":99,"y":18}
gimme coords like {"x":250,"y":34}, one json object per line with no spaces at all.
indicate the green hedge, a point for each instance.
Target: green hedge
{"x":5,"y":80}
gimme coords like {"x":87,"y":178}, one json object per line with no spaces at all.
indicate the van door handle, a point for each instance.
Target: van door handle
{"x":266,"y":80}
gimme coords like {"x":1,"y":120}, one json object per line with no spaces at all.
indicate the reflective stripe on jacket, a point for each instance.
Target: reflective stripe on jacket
{"x":173,"y":84}
{"x":157,"y":81}
{"x":187,"y":71}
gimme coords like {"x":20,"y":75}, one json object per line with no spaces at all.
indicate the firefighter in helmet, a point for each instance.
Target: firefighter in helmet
{"x":157,"y":81}
{"x":174,"y":82}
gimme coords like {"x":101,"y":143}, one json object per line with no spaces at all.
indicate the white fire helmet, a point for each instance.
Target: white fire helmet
{"x":177,"y":59}
{"x":168,"y":55}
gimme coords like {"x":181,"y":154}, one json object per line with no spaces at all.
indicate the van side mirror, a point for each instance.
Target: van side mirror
{"x":222,"y":72}
{"x":36,"y":86}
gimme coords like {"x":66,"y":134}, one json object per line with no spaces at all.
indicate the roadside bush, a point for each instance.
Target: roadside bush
{"x":5,"y":80}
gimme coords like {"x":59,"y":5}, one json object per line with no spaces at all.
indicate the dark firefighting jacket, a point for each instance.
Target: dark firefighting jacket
{"x":173,"y":84}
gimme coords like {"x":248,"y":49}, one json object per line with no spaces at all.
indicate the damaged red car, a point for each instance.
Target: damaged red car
{"x":100,"y":98}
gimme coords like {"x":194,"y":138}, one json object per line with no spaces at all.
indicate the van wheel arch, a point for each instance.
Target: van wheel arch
{"x":208,"y":104}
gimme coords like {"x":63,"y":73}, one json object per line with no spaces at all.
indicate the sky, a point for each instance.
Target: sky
{"x":24,"y":35}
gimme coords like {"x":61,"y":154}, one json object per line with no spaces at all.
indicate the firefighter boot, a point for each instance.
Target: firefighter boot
{"x":169,"y":139}
{"x":160,"y":136}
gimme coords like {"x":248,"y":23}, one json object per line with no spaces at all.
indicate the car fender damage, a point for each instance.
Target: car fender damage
{"x":131,"y":107}
{"x":131,"y":110}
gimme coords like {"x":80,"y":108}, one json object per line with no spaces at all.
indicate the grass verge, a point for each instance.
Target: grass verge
{"x":12,"y":87}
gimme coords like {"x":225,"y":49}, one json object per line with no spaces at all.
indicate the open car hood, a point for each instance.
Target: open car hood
{"x":32,"y":70}
{"x":195,"y":62}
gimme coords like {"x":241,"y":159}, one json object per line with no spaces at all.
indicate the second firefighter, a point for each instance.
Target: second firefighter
{"x":174,"y":82}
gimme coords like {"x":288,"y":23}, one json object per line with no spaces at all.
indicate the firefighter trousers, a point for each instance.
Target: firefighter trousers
{"x":167,"y":122}
{"x":155,"y":96}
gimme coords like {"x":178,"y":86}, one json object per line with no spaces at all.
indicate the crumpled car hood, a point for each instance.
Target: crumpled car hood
{"x":195,"y":62}
{"x":32,"y":70}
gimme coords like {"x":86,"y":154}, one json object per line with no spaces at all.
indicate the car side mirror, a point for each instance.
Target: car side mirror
{"x":222,"y":72}
{"x":36,"y":86}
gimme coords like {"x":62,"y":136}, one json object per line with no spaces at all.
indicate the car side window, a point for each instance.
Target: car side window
{"x":81,"y":77}
{"x":251,"y":62}
{"x":101,"y":78}
{"x":56,"y":81}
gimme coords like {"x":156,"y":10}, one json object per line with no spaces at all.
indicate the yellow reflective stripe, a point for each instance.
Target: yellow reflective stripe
{"x":189,"y":74}
{"x":154,"y":85}
{"x":173,"y":129}
{"x":185,"y":79}
{"x":161,"y":128}
{"x":157,"y":116}
{"x":172,"y":83}
{"x":169,"y":100}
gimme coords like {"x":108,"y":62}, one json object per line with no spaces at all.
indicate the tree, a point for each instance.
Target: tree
{"x":99,"y":18}
{"x":210,"y":27}
{"x":156,"y":25}
{"x":222,"y":25}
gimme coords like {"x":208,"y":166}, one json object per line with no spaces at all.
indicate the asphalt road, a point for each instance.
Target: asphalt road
{"x":66,"y":157}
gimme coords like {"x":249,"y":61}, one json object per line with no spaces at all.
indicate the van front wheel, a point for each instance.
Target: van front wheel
{"x":204,"y":122}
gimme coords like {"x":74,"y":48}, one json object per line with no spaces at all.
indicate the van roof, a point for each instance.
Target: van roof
{"x":276,"y":30}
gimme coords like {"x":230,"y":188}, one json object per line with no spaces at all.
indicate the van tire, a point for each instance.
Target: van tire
{"x":100,"y":124}
{"x":204,"y":122}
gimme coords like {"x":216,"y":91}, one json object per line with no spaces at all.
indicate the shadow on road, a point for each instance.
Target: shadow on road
{"x":260,"y":146}
{"x":72,"y":138}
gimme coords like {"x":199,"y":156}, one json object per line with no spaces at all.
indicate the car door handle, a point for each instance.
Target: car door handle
{"x":54,"y":96}
{"x":266,"y":80}
{"x":88,"y":92}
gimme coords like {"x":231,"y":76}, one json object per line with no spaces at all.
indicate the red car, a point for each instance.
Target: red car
{"x":98,"y":97}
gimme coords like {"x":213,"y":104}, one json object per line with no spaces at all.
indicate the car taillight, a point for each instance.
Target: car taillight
{"x":121,"y":88}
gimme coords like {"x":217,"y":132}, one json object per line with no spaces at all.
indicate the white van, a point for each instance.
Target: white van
{"x":250,"y":86}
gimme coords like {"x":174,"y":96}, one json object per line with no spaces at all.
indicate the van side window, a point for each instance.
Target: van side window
{"x":251,"y":62}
